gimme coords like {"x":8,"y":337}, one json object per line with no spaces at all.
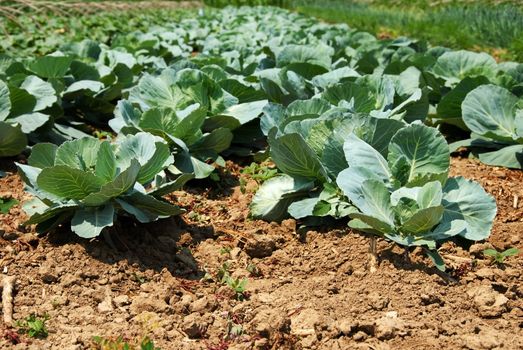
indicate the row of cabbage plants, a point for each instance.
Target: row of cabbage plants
{"x":351,"y":122}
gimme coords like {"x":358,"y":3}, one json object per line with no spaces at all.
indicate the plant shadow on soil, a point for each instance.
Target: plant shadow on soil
{"x":155,"y":246}
{"x":403,"y":261}
{"x":220,"y":187}
{"x":8,"y":164}
{"x":164,"y":244}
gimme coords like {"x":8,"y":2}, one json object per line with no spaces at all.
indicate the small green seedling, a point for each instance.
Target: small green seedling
{"x":238,"y":286}
{"x":147,"y":344}
{"x":223,"y":272}
{"x":259,"y":172}
{"x":225,"y":250}
{"x":254,"y":270}
{"x":34,"y":326}
{"x":235,"y":330}
{"x":6,"y":203}
{"x":140,"y":279}
{"x":499,"y":257}
{"x":103,"y":343}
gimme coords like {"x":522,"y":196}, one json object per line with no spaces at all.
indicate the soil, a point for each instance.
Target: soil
{"x":311,"y":290}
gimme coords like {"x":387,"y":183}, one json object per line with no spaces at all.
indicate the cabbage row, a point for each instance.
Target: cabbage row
{"x":351,"y":122}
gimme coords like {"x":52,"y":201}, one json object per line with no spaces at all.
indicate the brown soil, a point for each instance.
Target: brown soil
{"x":304,"y":291}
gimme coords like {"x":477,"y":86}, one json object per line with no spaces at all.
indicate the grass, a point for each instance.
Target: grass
{"x":481,"y":26}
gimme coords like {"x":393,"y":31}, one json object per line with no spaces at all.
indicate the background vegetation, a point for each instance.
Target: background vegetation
{"x":40,"y":27}
{"x":494,"y":26}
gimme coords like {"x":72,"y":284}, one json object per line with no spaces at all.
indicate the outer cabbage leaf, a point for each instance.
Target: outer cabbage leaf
{"x":276,"y":194}
{"x":490,"y":111}
{"x":12,"y":140}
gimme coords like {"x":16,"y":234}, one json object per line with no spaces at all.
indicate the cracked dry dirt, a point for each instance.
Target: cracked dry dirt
{"x":307,"y":291}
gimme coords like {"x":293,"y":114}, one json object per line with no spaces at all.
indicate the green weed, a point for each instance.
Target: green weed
{"x":6,"y":203}
{"x":34,"y":326}
{"x":499,"y":257}
{"x":102,"y":343}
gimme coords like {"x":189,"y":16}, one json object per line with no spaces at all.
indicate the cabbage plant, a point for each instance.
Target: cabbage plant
{"x":191,"y":147}
{"x":308,"y":150}
{"x":89,"y":183}
{"x":495,"y":117}
{"x":21,"y":112}
{"x":403,"y":193}
{"x":191,"y":112}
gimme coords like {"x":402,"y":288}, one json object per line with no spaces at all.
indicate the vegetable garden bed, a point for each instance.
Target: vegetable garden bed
{"x":155,"y":228}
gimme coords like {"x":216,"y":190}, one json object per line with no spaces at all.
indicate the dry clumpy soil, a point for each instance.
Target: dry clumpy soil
{"x":309,"y":290}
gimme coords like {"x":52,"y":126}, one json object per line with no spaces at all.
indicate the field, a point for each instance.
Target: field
{"x":176,"y":176}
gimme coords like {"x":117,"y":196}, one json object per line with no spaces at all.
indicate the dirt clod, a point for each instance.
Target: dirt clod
{"x":261,"y":247}
{"x":144,"y":302}
{"x":194,"y":326}
{"x":488,"y":302}
{"x":121,"y":300}
{"x":204,"y":304}
{"x":389,"y":326}
{"x":377,"y":301}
